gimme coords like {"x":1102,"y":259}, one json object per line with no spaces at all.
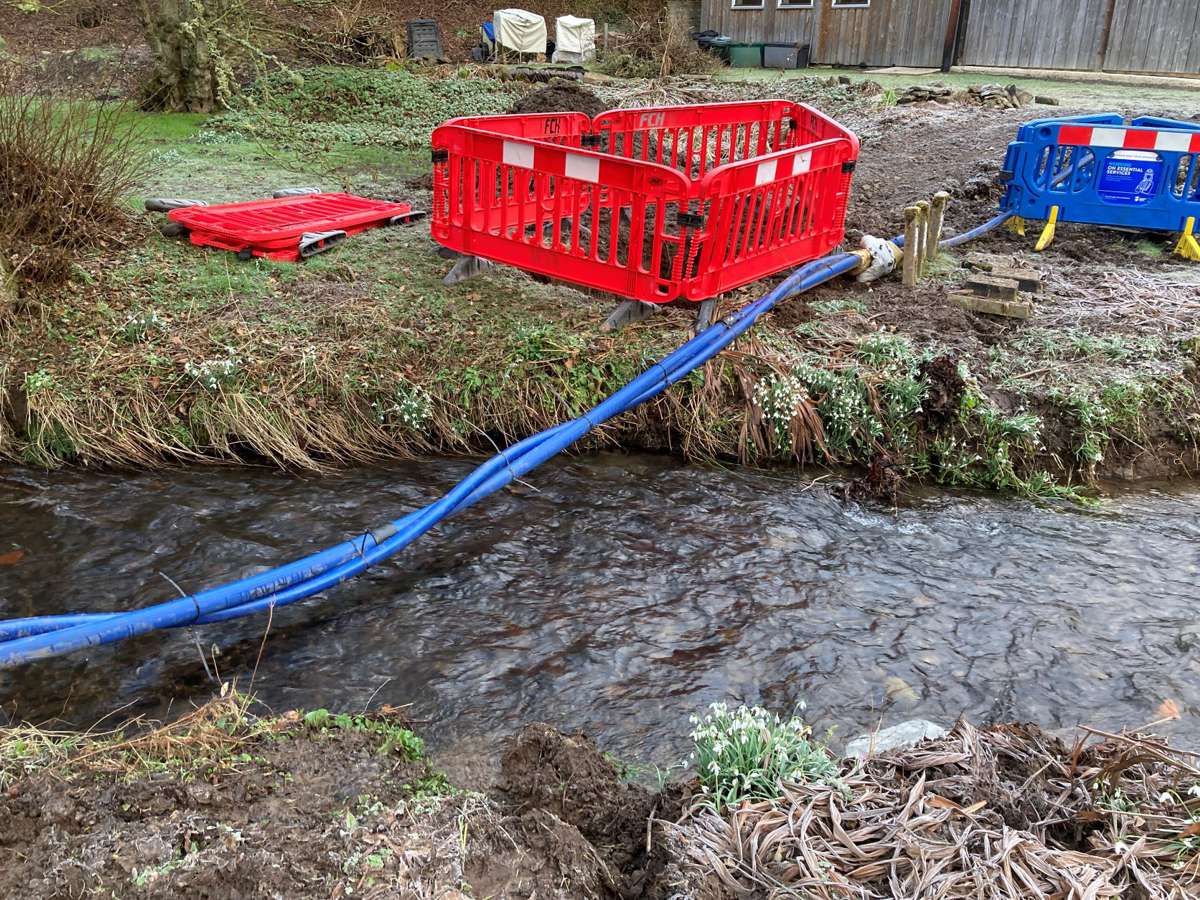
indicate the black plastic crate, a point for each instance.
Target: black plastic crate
{"x":785,"y":56}
{"x":424,"y":39}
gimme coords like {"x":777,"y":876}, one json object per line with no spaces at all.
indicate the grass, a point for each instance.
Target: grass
{"x":332,"y":105}
{"x":209,"y":737}
{"x":165,"y":352}
{"x":217,"y":736}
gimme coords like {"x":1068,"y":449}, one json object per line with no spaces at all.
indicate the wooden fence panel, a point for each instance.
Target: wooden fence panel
{"x":769,"y":24}
{"x":1035,"y":34}
{"x":887,"y":33}
{"x":1154,"y":36}
{"x":1144,"y":35}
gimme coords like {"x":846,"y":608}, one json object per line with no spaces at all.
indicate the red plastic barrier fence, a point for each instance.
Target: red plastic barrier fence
{"x":651,"y":204}
{"x":286,"y":228}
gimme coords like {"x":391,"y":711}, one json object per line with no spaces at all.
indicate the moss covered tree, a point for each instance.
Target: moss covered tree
{"x":191,"y":43}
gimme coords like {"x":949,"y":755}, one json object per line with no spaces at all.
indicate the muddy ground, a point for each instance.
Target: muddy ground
{"x":226,"y":804}
{"x":314,"y":805}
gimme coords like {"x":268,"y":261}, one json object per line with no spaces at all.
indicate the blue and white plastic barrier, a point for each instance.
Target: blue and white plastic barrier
{"x":1098,"y":170}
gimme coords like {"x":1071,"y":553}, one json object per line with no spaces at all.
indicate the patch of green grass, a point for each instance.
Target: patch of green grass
{"x":393,"y":738}
{"x":838,"y":305}
{"x":1152,"y":249}
{"x":146,"y":876}
{"x":334,"y":105}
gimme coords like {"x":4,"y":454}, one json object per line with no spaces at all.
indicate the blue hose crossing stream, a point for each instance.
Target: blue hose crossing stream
{"x":29,"y":639}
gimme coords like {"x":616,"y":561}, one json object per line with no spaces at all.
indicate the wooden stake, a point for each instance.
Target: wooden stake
{"x":940,"y":199}
{"x":911,"y":236}
{"x":922,"y":235}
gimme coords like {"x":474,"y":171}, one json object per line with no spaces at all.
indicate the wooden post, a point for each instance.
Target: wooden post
{"x":911,"y":237}
{"x":605,"y":44}
{"x":938,"y":218}
{"x":922,"y":235}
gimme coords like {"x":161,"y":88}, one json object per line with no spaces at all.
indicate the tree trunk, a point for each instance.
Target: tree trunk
{"x":191,"y":73}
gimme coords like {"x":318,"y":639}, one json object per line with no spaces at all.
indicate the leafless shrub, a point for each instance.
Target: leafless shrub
{"x":65,"y":164}
{"x":656,"y":45}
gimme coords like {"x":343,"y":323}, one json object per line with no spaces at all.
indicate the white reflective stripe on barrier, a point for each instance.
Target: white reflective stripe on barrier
{"x":1179,"y":142}
{"x":585,"y":168}
{"x":518,"y":154}
{"x":1108,"y":137}
{"x":765,"y":173}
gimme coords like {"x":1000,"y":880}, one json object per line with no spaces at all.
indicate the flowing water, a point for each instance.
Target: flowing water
{"x":618,"y":595}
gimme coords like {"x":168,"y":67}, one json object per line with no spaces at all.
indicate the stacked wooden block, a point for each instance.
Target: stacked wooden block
{"x":998,"y":286}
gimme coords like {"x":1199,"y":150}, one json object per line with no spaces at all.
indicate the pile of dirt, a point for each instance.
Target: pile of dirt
{"x":882,"y":482}
{"x":560,"y":97}
{"x":222,"y":804}
{"x":566,"y":775}
{"x":946,"y":385}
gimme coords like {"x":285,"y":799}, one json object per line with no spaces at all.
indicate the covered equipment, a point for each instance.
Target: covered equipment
{"x":520,"y":31}
{"x":574,"y":40}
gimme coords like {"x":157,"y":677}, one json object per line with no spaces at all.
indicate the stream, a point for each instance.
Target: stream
{"x":618,"y":595}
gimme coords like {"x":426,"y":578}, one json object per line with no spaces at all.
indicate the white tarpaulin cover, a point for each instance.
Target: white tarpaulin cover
{"x":520,"y":30}
{"x":574,"y":39}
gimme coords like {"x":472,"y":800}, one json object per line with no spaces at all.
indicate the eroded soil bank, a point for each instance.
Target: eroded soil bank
{"x":224,"y":803}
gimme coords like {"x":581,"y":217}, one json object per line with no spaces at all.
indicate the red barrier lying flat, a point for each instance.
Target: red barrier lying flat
{"x":287,"y":228}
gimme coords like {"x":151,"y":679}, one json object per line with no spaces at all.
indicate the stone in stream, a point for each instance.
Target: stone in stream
{"x":895,"y":738}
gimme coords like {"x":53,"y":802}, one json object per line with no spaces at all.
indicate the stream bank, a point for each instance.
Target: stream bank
{"x":230,"y":802}
{"x":156,"y":352}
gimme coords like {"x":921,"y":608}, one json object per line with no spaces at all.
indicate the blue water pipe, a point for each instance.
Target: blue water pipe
{"x":29,"y":639}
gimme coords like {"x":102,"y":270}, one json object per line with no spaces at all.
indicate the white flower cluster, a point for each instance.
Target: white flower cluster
{"x":780,"y":397}
{"x":139,"y":325}
{"x":212,"y":373}
{"x":411,"y":408}
{"x":744,"y":754}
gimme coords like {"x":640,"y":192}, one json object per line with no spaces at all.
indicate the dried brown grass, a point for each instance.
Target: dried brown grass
{"x":65,"y":165}
{"x":1004,"y":812}
{"x":210,"y":731}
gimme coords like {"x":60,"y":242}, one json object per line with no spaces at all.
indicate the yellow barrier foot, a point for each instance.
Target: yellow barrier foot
{"x":1048,"y":232}
{"x":1188,"y":247}
{"x":1017,"y":226}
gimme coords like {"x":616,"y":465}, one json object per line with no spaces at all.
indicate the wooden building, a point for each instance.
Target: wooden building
{"x":1158,"y":36}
